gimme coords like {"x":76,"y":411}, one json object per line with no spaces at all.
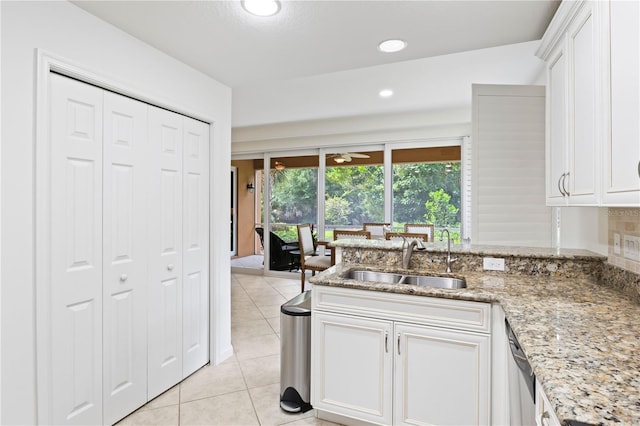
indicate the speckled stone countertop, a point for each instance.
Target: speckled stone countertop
{"x":582,"y":339}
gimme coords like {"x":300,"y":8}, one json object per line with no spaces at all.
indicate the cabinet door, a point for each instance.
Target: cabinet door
{"x":556,"y":143}
{"x":352,"y":366}
{"x":584,"y":158}
{"x":195,"y":316}
{"x":441,"y":376}
{"x":125,"y":256}
{"x":622,"y":169}
{"x":165,"y":242}
{"x":75,"y":327}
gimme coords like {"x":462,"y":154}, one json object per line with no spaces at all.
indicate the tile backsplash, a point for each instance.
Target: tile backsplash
{"x":623,"y":221}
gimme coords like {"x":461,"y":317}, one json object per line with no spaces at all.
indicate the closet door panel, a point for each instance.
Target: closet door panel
{"x":125,"y":152}
{"x":196,"y":245}
{"x":165,"y":242}
{"x":75,"y":325}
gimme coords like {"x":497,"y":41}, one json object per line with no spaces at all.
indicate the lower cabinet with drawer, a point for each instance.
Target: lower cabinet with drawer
{"x":399,"y":359}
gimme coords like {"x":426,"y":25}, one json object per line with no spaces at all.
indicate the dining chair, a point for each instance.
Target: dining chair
{"x":376,"y":229}
{"x":308,"y":258}
{"x":352,"y":234}
{"x":421,"y":228}
{"x":408,"y":236}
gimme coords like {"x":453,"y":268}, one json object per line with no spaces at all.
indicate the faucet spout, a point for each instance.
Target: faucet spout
{"x":407,"y":251}
{"x":449,"y":260}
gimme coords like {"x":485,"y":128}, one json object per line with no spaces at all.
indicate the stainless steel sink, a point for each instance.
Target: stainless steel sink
{"x":429,"y":281}
{"x":419,"y":280}
{"x":384,"y":277}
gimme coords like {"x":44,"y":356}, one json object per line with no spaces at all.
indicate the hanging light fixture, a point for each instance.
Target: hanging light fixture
{"x":280,"y":166}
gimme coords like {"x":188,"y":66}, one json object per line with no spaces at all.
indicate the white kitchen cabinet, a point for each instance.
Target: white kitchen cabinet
{"x":573,"y":129}
{"x":400,"y":359}
{"x":621,"y":183}
{"x":545,"y":415}
{"x":592,"y":51}
{"x":353,"y":364}
{"x":439,"y":376}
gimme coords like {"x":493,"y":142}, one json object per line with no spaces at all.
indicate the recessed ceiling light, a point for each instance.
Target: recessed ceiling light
{"x":391,"y":46}
{"x":261,"y":7}
{"x":386,"y":93}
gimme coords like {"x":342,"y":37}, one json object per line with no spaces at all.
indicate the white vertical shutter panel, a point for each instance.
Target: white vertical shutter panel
{"x":509,"y":143}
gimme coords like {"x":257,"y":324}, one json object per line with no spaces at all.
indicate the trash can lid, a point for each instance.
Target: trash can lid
{"x":298,"y":306}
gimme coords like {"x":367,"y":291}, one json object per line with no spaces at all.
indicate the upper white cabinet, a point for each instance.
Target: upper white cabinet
{"x":572,"y":128}
{"x":593,"y":136}
{"x":621,"y":183}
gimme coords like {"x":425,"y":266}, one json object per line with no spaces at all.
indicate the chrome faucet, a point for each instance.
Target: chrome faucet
{"x":407,"y":250}
{"x":449,"y":259}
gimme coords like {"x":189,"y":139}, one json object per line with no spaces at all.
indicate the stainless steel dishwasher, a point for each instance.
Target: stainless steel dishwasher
{"x":522,"y":382}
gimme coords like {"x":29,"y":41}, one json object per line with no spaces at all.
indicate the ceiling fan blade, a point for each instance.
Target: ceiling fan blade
{"x":356,"y":155}
{"x":346,"y":156}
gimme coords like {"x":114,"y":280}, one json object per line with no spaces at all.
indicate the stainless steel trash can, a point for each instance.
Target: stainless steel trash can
{"x":295,"y":354}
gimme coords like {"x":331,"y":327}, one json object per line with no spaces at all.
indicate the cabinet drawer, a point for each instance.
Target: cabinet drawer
{"x":454,"y":314}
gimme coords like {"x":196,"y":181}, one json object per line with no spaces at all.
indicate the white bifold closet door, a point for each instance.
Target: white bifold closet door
{"x":125,"y":255}
{"x":75,"y":328}
{"x":129,"y":252}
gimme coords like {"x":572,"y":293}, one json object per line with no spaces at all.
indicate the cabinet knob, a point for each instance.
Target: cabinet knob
{"x":170,"y":267}
{"x":123,"y":277}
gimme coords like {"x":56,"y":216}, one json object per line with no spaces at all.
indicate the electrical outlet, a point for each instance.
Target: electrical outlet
{"x":492,"y":264}
{"x":616,"y":243}
{"x":631,"y":247}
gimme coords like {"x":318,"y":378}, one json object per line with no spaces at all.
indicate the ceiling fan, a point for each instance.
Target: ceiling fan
{"x":346,"y":157}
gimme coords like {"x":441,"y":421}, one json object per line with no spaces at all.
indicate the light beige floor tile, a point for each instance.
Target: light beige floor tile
{"x":279,"y":282}
{"x":270,"y":311}
{"x":311,"y":421}
{"x":245,"y":315}
{"x":266,"y":400}
{"x":275,"y":324}
{"x":250,"y":328}
{"x":256,"y":346}
{"x":261,"y":371}
{"x":278,"y":299}
{"x":233,"y":409}
{"x":289,"y":293}
{"x":170,"y":397}
{"x":212,"y":381}
{"x":262,"y":292}
{"x":164,"y":416}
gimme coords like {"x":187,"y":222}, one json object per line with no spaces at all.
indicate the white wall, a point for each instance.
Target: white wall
{"x":67,"y":31}
{"x":349,"y":131}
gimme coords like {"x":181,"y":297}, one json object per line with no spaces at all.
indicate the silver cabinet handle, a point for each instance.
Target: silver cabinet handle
{"x":560,"y":185}
{"x":123,"y":277}
{"x":398,"y":344}
{"x":565,"y":181}
{"x":638,"y":168}
{"x":170,"y":267}
{"x":386,"y":341}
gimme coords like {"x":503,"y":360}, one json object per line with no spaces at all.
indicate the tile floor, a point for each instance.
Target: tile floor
{"x":244,"y":389}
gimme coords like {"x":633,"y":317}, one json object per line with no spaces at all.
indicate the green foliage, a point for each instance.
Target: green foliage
{"x":440,"y":210}
{"x":337,"y":211}
{"x":413,"y":183}
{"x":355,"y":194}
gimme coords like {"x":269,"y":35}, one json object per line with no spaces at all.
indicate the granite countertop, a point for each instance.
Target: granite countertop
{"x":475,"y":249}
{"x":582,"y":339}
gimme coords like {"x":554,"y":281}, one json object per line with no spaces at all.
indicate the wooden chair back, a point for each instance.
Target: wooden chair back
{"x":351,"y":234}
{"x":376,"y":229}
{"x":408,"y":235}
{"x":421,"y":228}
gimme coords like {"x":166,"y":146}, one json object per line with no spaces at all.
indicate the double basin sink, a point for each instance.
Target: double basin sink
{"x":419,"y":280}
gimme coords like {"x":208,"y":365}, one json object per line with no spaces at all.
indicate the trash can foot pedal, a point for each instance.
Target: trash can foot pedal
{"x":291,"y":402}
